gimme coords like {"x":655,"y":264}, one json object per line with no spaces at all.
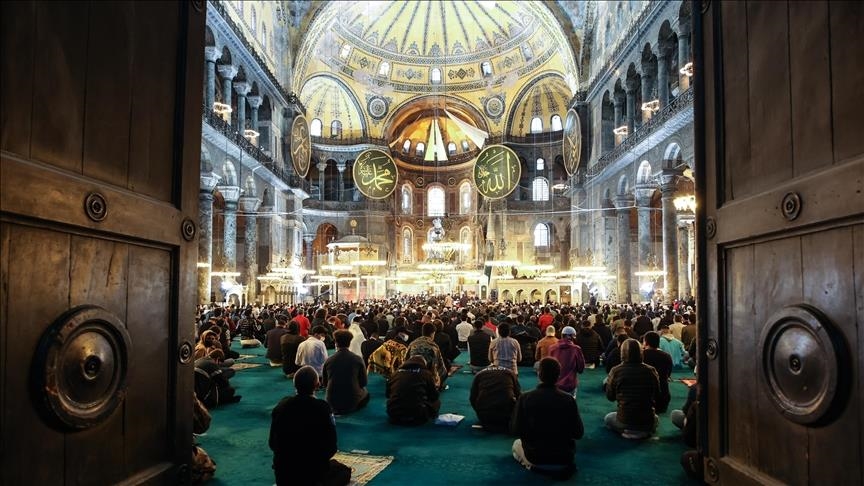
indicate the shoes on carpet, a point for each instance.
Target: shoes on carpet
{"x":635,"y":434}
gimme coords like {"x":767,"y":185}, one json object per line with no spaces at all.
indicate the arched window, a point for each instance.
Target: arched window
{"x":407,"y":246}
{"x":536,"y":125}
{"x":421,"y":149}
{"x":384,"y":68}
{"x":465,"y":198}
{"x":254,"y":22}
{"x":540,"y":189}
{"x":556,"y":123}
{"x":345,"y":52}
{"x":541,"y":164}
{"x":407,"y":198}
{"x":315,"y":128}
{"x":527,"y":53}
{"x":435,"y":204}
{"x":406,"y":147}
{"x":435,"y":76}
{"x":451,"y":148}
{"x":336,"y":129}
{"x":541,"y":236}
{"x":465,"y":146}
{"x":486,"y":68}
{"x":264,"y":36}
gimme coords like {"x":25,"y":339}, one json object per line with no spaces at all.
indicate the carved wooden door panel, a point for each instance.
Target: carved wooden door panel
{"x":781,"y":237}
{"x":101,"y":128}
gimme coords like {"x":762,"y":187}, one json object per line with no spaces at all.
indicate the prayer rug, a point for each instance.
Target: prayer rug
{"x":247,"y":356}
{"x":244,"y":366}
{"x":687,"y":381}
{"x":453,"y":369}
{"x":363,"y":466}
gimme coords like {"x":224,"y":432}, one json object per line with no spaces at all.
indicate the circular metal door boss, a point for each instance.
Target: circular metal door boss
{"x":301,"y":146}
{"x":496,"y":172}
{"x":572,"y":142}
{"x":375,"y":174}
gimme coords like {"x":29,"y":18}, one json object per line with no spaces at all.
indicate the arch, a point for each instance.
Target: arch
{"x":465,"y":146}
{"x":623,"y":185}
{"x":264,"y":36}
{"x":406,"y":199}
{"x":643,"y":173}
{"x":540,"y":189}
{"x":209,"y":38}
{"x":384,"y":68}
{"x":431,"y":105}
{"x":436,"y":204}
{"x":505,"y":295}
{"x":324,"y":234}
{"x":206,"y":161}
{"x":466,"y":198}
{"x":549,"y":91}
{"x":229,"y":173}
{"x":672,"y":155}
{"x":551,"y":295}
{"x":555,"y":123}
{"x":435,"y":76}
{"x":540,"y":164}
{"x":542,"y":235}
{"x":536,"y":125}
{"x":249,"y":187}
{"x":336,"y":129}
{"x":607,"y":123}
{"x":253,"y":23}
{"x":486,"y":69}
{"x":265,"y":111}
{"x":451,"y":148}
{"x":407,"y":245}
{"x":406,"y":146}
{"x":420,"y":150}
{"x":315,"y":128}
{"x":536,"y":295}
{"x":327,"y":97}
{"x":270,"y":295}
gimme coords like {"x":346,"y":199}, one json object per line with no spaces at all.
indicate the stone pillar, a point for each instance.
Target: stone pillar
{"x":227,"y":72}
{"x":618,"y":102}
{"x":254,"y":103}
{"x":684,"y":288}
{"x":663,"y":77}
{"x":670,"y":233}
{"x":265,"y":232}
{"x":211,"y":55}
{"x":643,"y":204}
{"x":248,"y":205}
{"x":229,"y":243}
{"x":308,"y":239}
{"x":340,"y":180}
{"x":322,"y":166}
{"x":631,"y":106}
{"x":623,"y":203}
{"x":684,"y":52}
{"x":208,"y":182}
{"x":242,"y":88}
{"x":610,"y":243}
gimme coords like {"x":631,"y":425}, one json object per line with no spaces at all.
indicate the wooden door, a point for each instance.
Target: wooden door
{"x":101,"y":128}
{"x":780,"y":139}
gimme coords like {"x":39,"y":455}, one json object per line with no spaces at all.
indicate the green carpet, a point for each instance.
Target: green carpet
{"x":435,"y":454}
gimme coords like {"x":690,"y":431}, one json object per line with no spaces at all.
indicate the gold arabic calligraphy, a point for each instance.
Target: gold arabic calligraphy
{"x":495,"y":172}
{"x":375,"y":174}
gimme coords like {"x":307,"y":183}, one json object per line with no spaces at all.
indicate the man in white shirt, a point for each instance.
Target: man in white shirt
{"x":464,"y":329}
{"x":313,"y":352}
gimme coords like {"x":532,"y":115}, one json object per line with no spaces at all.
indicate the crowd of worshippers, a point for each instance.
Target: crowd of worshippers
{"x":412,"y":343}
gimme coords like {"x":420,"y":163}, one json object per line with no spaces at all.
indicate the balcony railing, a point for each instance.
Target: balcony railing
{"x":349,"y":141}
{"x":366,"y":205}
{"x":682,"y":102}
{"x":545,"y":137}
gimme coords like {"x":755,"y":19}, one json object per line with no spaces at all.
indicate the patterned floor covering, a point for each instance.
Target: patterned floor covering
{"x":363,"y":466}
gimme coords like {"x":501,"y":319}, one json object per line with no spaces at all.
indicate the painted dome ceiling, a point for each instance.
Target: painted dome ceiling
{"x":386,"y":53}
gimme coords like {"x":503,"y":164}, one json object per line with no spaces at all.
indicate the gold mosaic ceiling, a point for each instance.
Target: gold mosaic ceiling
{"x":387,"y":53}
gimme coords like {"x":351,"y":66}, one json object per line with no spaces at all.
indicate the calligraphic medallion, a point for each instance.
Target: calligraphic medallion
{"x":375,"y":174}
{"x":497,"y":172}
{"x":301,"y":145}
{"x":572,"y":142}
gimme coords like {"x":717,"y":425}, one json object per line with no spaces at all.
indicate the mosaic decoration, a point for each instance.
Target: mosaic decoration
{"x":494,"y":106}
{"x":377,"y":107}
{"x":375,"y":174}
{"x":497,"y":172}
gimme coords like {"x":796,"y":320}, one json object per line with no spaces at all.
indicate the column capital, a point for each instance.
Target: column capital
{"x":242,"y":88}
{"x":649,"y":69}
{"x":340,"y":166}
{"x":227,"y":71}
{"x":212,"y":53}
{"x":669,"y":182}
{"x":309,"y":237}
{"x":321,"y":166}
{"x":231,"y":194}
{"x":249,"y":204}
{"x":619,"y":98}
{"x":632,"y":85}
{"x":644,"y":192}
{"x":208,"y":181}
{"x":624,"y":201}
{"x":254,"y":101}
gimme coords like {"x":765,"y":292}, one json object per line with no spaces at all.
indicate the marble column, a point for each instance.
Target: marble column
{"x":663,"y":77}
{"x":668,"y":181}
{"x":254,"y":103}
{"x":643,"y":205}
{"x":231,"y":195}
{"x":211,"y":55}
{"x":684,"y":286}
{"x":619,"y":100}
{"x":208,"y":182}
{"x":248,"y":205}
{"x":623,"y":204}
{"x":242,"y":89}
{"x":340,"y":181}
{"x":684,"y":51}
{"x":631,"y":106}
{"x":227,"y":71}
{"x":310,"y":262}
{"x":265,"y":231}
{"x":322,"y":167}
{"x":610,"y":243}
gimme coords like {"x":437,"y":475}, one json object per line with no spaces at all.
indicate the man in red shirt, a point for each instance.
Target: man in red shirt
{"x":545,"y":320}
{"x":302,"y":322}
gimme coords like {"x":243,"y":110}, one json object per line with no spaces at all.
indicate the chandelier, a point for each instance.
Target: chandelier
{"x":685,"y":203}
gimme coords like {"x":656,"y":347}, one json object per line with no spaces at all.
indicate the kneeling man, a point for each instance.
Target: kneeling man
{"x":345,"y":377}
{"x":493,"y":394}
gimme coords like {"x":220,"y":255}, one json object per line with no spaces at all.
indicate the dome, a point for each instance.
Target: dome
{"x":386,"y":54}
